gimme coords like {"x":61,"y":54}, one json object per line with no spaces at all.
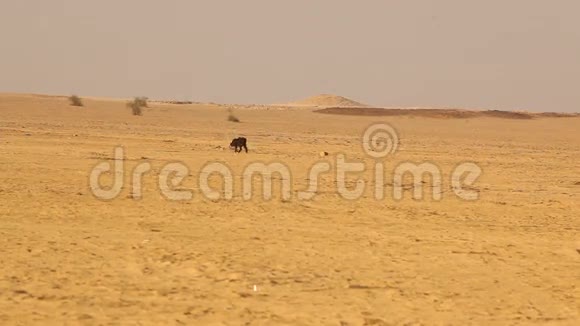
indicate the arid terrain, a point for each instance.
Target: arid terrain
{"x":511,"y":257}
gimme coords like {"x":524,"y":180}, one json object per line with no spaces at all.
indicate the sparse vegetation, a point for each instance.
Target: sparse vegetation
{"x":137,"y":105}
{"x":75,"y":101}
{"x":142,"y":101}
{"x":178,"y":102}
{"x":232,"y":117}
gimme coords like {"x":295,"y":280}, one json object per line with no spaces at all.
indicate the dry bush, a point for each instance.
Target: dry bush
{"x":142,"y":101}
{"x":75,"y":100}
{"x":137,"y":105}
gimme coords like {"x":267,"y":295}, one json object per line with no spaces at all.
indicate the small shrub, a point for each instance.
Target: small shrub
{"x":142,"y":101}
{"x":232,"y":117}
{"x":75,"y":100}
{"x":136,"y":106}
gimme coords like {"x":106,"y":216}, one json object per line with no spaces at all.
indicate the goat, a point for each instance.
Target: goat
{"x":239,"y":143}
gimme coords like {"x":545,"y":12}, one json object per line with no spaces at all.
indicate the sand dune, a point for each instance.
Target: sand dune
{"x":69,"y":258}
{"x":327,"y":100}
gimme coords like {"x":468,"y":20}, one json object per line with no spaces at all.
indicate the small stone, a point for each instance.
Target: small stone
{"x":232,"y":277}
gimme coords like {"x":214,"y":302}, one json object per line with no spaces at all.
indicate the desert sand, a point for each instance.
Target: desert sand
{"x":511,"y":257}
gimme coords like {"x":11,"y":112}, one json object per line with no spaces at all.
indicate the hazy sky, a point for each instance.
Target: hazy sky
{"x":497,"y":54}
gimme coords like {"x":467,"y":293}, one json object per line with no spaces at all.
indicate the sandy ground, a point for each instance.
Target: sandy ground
{"x":69,"y":258}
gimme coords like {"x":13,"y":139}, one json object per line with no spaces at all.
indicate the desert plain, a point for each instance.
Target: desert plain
{"x":511,"y":257}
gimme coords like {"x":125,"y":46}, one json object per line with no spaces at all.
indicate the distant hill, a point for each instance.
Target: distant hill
{"x":327,"y":100}
{"x":440,"y":113}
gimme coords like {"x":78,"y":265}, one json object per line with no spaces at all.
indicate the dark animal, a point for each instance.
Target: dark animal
{"x":239,"y":143}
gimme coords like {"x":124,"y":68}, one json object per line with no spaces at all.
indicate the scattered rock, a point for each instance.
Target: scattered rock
{"x":20,"y":291}
{"x":233,"y":277}
{"x":85,"y":317}
{"x":323,"y":154}
{"x":375,"y":321}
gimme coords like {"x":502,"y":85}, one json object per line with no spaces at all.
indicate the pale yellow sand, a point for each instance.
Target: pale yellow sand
{"x":68,"y":258}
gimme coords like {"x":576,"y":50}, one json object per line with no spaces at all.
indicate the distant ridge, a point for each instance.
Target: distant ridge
{"x":441,"y":113}
{"x":327,"y":100}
